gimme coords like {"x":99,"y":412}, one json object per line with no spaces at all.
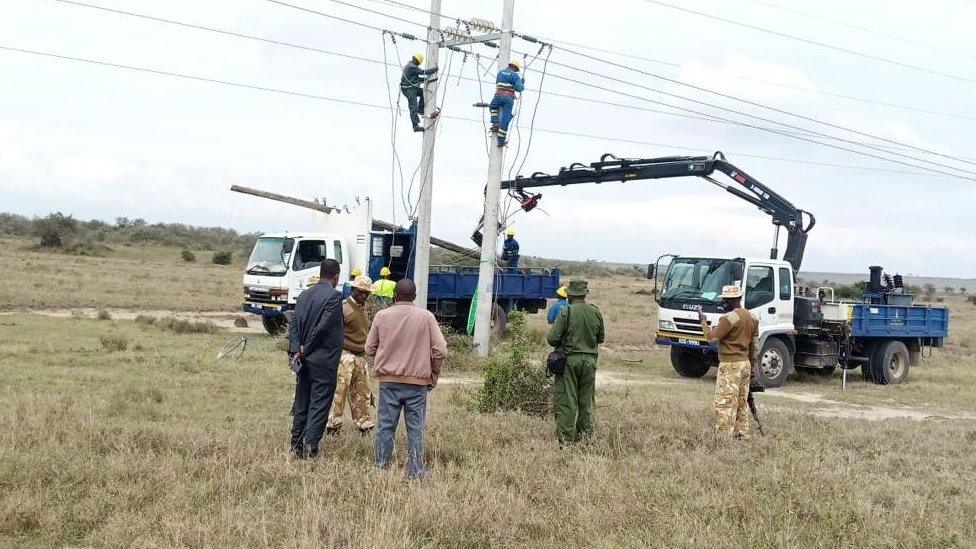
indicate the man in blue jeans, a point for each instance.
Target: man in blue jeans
{"x":408,"y":349}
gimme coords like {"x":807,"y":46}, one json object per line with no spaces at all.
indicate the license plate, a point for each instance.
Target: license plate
{"x":688,"y":341}
{"x":271,"y":307}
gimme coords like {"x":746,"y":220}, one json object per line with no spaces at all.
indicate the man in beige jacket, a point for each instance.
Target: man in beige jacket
{"x":408,"y":349}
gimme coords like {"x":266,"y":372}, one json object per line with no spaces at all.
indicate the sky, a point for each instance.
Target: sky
{"x":103,"y":142}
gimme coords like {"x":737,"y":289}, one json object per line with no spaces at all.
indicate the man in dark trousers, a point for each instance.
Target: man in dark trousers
{"x":411,"y":86}
{"x":315,"y":343}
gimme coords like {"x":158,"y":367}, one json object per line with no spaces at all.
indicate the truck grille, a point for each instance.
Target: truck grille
{"x":688,"y":326}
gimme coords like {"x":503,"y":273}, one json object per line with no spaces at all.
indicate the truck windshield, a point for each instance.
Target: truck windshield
{"x":269,"y":256}
{"x":699,"y":280}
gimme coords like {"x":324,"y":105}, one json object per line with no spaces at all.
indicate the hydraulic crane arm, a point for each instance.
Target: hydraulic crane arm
{"x":797,"y":222}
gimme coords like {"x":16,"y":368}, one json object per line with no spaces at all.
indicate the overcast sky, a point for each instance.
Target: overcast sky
{"x":102,"y":142}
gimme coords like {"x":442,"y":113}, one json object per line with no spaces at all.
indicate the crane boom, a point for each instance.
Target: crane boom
{"x":797,"y":222}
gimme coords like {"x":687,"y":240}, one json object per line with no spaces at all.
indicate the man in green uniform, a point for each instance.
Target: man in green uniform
{"x":579,"y":330}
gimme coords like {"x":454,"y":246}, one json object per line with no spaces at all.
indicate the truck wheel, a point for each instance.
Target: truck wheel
{"x":688,"y":363}
{"x":274,"y":325}
{"x":890,"y":363}
{"x":499,"y":319}
{"x":775,"y":363}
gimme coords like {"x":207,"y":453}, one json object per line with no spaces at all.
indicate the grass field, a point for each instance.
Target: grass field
{"x":161,"y":444}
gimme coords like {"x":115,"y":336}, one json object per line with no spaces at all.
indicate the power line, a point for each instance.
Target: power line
{"x":764,"y":106}
{"x":705,"y":116}
{"x":343,"y":19}
{"x":864,"y":29}
{"x":676,"y":65}
{"x":741,"y":113}
{"x":825,"y":45}
{"x":472,"y":120}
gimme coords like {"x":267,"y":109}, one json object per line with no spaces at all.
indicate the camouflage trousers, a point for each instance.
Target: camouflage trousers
{"x":352,"y":385}
{"x":731,"y":394}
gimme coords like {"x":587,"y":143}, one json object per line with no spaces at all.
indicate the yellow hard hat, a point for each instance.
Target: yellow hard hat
{"x":356,"y":272}
{"x":418,"y":57}
{"x":385,"y":271}
{"x":515,"y":63}
{"x":510,"y":232}
{"x":561,"y":292}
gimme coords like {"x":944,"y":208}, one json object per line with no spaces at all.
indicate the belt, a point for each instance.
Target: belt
{"x":504,"y":92}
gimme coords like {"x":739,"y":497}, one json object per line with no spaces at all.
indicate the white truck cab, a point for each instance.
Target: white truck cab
{"x":693,"y":284}
{"x":281,"y":264}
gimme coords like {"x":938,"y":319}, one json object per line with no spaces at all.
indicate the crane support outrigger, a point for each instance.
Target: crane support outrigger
{"x":797,"y":222}
{"x":884,"y":333}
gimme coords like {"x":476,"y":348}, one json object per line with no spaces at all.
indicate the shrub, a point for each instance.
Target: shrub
{"x":114,"y":343}
{"x":188,"y":255}
{"x":512,"y":381}
{"x":87,"y":247}
{"x":850,"y":291}
{"x":460,"y":351}
{"x":972,"y":299}
{"x":182,"y":326}
{"x":223,"y":257}
{"x":55,"y":230}
{"x":240,"y":321}
{"x":145,"y":320}
{"x":102,"y":314}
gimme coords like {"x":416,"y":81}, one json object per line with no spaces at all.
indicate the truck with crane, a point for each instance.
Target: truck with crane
{"x":281,"y":265}
{"x":885,"y":333}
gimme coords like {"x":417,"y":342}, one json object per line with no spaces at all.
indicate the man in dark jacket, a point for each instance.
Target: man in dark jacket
{"x":411,"y":86}
{"x":315,"y":342}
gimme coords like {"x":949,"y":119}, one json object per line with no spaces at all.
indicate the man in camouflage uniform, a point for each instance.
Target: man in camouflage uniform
{"x":579,"y":330}
{"x":737,"y":334}
{"x":353,"y":382}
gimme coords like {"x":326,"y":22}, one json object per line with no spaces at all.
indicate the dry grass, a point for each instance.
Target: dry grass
{"x":159,"y":444}
{"x":162,"y":445}
{"x":129,"y":277}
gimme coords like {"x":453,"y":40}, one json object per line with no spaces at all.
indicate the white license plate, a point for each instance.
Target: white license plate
{"x":688,"y":341}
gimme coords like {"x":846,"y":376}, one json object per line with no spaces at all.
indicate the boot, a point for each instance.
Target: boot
{"x":418,"y":129}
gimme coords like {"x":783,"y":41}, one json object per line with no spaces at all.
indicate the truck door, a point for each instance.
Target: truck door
{"x":337,"y":253}
{"x":784,"y":296}
{"x":306,"y":261}
{"x":760,"y":294}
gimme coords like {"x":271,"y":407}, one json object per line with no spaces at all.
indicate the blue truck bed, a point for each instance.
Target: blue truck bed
{"x":462,"y":282}
{"x":869,"y":320}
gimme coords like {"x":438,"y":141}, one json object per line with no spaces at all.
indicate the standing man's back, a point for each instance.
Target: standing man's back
{"x":409,"y":349}
{"x":315,"y":342}
{"x":578,"y":330}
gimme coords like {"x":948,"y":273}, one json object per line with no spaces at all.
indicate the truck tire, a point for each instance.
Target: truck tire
{"x":890,"y":363}
{"x":274,"y":325}
{"x":499,"y":320}
{"x":688,"y":363}
{"x":775,"y":363}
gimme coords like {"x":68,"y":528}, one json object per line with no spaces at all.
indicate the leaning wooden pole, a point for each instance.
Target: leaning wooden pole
{"x":378,"y":224}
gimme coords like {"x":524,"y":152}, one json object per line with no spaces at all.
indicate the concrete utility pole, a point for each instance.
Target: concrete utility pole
{"x":422,"y":249}
{"x":489,"y":241}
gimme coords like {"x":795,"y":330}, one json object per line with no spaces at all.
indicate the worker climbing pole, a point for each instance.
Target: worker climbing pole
{"x":411,"y":86}
{"x":507,"y":84}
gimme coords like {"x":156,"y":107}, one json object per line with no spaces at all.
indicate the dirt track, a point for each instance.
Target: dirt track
{"x":221,"y":319}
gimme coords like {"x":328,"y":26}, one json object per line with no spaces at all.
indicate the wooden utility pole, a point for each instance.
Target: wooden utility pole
{"x":489,"y":241}
{"x":422,"y":244}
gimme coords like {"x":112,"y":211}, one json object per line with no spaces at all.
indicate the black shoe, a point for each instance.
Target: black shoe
{"x":502,"y":144}
{"x":418,"y":129}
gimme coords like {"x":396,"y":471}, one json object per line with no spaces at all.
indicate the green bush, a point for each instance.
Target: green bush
{"x":223,"y":257}
{"x":188,"y":255}
{"x":55,"y":230}
{"x":102,"y":314}
{"x":460,"y":351}
{"x":114,"y":343}
{"x":87,"y":247}
{"x":850,"y":291}
{"x":972,"y":299}
{"x":512,"y":381}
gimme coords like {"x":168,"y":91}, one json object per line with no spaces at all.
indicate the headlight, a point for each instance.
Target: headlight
{"x":666,"y":325}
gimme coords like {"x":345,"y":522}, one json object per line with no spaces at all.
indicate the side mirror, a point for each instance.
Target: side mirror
{"x":650,"y":271}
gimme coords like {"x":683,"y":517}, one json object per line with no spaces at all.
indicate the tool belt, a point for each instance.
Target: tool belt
{"x":505,"y":92}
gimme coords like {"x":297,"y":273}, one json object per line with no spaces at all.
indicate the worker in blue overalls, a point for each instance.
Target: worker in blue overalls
{"x":510,"y":250}
{"x":411,"y":86}
{"x":506,"y":85}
